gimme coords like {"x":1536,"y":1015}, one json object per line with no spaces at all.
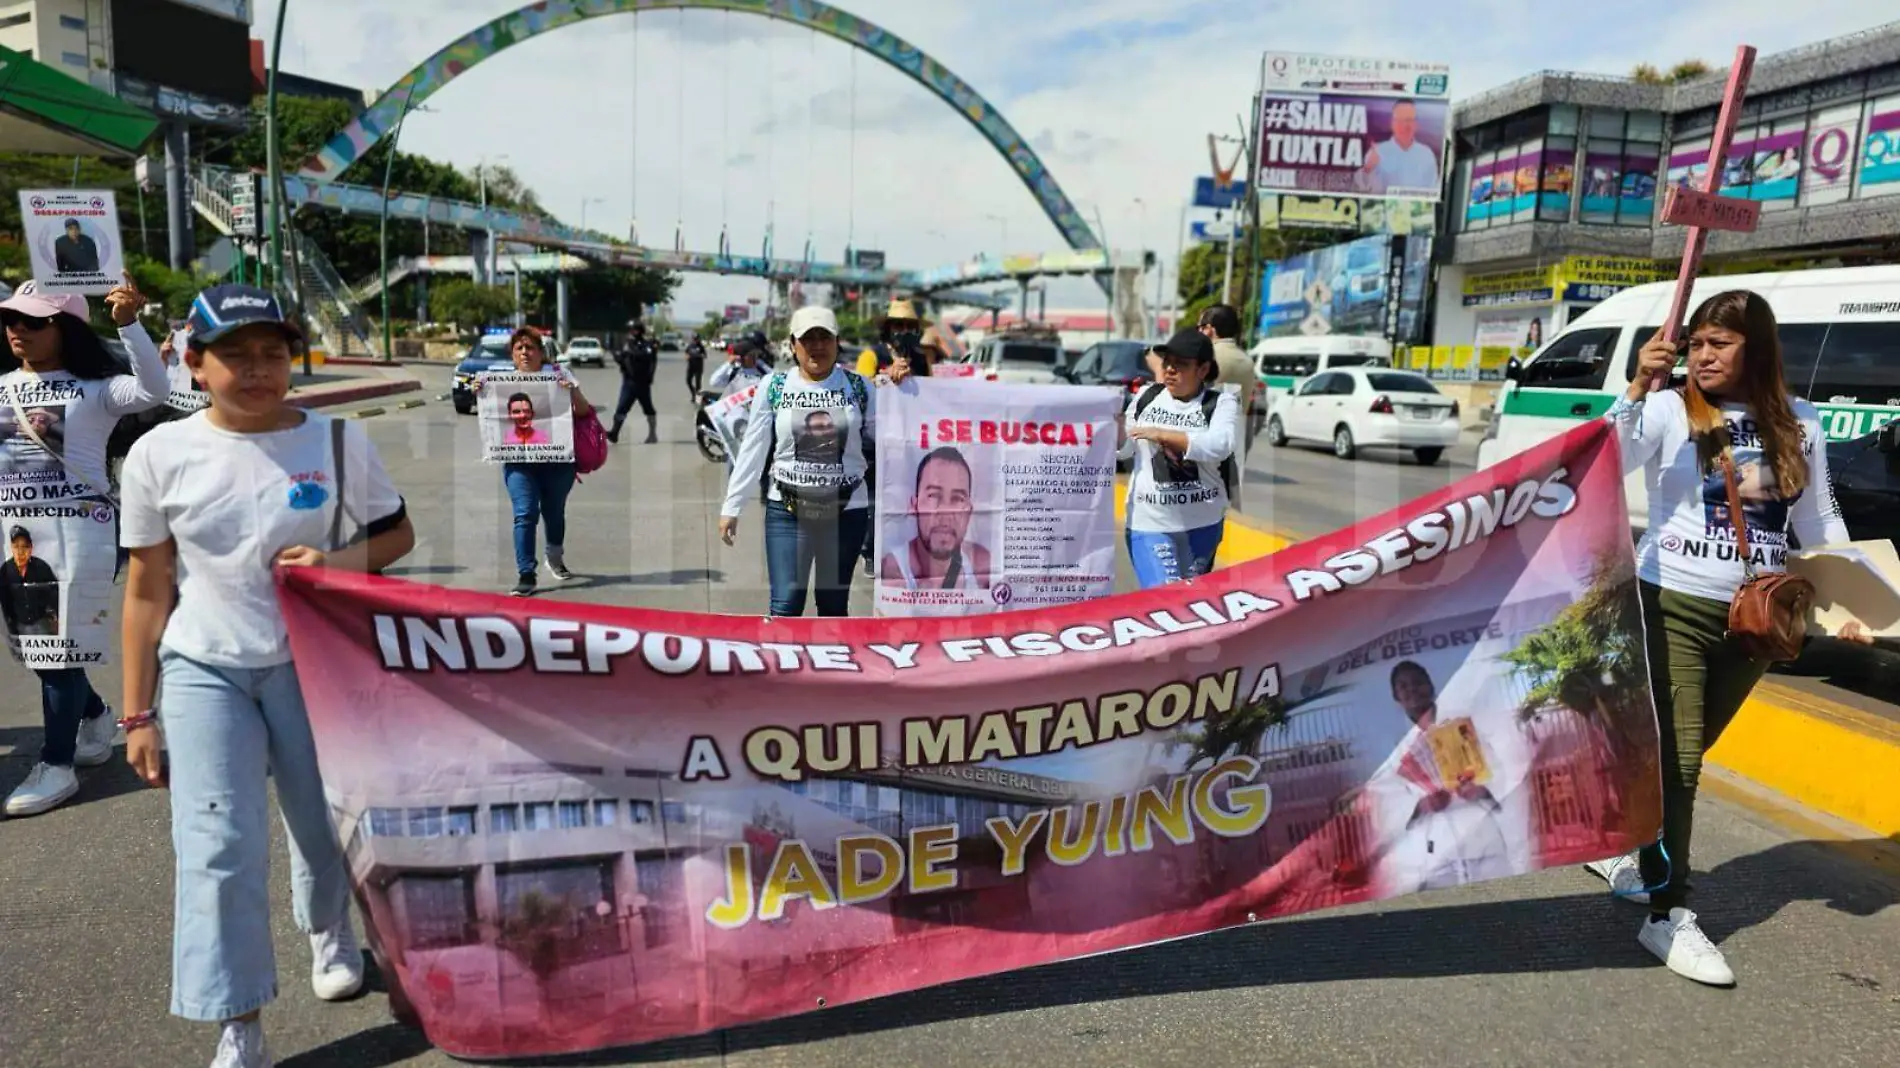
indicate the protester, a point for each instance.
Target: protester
{"x":900,"y":336}
{"x":49,"y":346}
{"x":743,"y":368}
{"x":212,"y":499}
{"x":638,"y":360}
{"x":1181,"y":433}
{"x":1734,"y":409}
{"x":810,"y":437}
{"x":539,"y":491}
{"x":1220,"y":323}
{"x":695,"y":366}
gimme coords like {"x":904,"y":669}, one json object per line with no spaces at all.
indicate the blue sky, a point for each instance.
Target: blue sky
{"x":1117,"y":95}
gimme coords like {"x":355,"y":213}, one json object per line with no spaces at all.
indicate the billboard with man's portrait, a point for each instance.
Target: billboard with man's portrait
{"x":1354,"y":126}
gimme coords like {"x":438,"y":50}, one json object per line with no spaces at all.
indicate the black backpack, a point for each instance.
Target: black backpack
{"x":1210,"y":399}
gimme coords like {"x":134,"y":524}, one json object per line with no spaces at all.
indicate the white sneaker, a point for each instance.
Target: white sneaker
{"x":336,"y":967}
{"x":242,"y":1046}
{"x":557,"y":565}
{"x":1680,"y":944}
{"x":46,"y":788}
{"x":96,"y":738}
{"x":1625,"y":876}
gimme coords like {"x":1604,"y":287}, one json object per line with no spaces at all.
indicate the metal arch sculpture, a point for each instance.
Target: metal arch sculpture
{"x":535,"y":19}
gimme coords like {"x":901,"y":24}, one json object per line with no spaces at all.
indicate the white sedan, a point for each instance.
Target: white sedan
{"x":585,"y":351}
{"x":1357,"y":407}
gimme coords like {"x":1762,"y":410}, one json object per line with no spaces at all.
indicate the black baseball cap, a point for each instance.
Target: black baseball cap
{"x":221,"y":309}
{"x":1188,"y":345}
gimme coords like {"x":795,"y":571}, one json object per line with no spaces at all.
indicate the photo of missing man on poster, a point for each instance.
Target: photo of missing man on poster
{"x":932,"y":547}
{"x":526,"y":419}
{"x":29,"y":590}
{"x":32,"y":457}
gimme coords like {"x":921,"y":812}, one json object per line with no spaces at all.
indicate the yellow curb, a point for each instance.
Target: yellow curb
{"x":1838,"y":760}
{"x":1242,"y":541}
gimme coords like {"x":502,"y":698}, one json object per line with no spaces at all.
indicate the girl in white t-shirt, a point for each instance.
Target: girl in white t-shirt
{"x":1181,"y":434}
{"x":221,"y":498}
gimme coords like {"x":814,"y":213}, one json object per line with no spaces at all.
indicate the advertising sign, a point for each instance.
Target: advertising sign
{"x":1529,"y":285}
{"x":72,"y":239}
{"x":1352,"y":125}
{"x":1362,"y":215}
{"x":1203,"y":230}
{"x":526,"y":419}
{"x":1336,"y":290}
{"x":868,"y":259}
{"x":1880,"y":151}
{"x":1832,"y":139}
{"x":994,"y":497}
{"x":545,"y":870}
{"x":1504,"y":334}
{"x":738,"y":313}
{"x":1209,"y":193}
{"x":1591,"y":279}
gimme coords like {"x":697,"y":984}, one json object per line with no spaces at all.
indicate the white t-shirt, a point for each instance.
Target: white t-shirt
{"x":232,"y":502}
{"x":822,"y":439}
{"x":1410,"y":170}
{"x":76,"y":418}
{"x":1165,"y":496}
{"x":1690,"y":545}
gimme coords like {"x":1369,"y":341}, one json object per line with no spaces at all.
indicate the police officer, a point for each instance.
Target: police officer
{"x":638,"y":359}
{"x":695,"y":366}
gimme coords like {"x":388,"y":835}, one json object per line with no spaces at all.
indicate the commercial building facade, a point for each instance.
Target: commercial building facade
{"x":1557,"y":183}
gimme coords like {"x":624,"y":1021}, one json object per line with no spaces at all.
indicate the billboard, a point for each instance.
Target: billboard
{"x":738,"y":313}
{"x":1352,"y":125}
{"x":868,"y":259}
{"x":1365,"y":216}
{"x":1210,"y":193}
{"x":1338,"y":290}
{"x":184,"y":48}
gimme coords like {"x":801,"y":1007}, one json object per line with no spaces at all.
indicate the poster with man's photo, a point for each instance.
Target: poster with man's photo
{"x":72,"y":239}
{"x":526,"y":419}
{"x":56,"y":584}
{"x":729,"y":416}
{"x":185,"y":393}
{"x":993,"y":497}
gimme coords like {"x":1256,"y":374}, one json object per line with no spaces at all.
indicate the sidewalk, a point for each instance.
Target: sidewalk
{"x":336,"y":383}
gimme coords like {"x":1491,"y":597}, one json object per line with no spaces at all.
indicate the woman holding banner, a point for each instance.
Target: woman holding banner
{"x":1181,"y":434}
{"x":54,"y":362}
{"x":539,"y":491}
{"x":810,"y":439}
{"x":1733,"y":420}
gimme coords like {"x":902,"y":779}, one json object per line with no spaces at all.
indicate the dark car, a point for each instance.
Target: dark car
{"x":1111,"y":363}
{"x":1866,"y":476}
{"x":489,"y":353}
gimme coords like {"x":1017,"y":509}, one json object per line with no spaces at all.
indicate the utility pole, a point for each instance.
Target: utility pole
{"x":1233,"y":236}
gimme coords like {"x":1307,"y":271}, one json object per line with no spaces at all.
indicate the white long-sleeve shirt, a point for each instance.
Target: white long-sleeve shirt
{"x":1170,"y":497}
{"x":822,"y":439}
{"x":75,"y":417}
{"x":1690,"y":546}
{"x":730,"y":378}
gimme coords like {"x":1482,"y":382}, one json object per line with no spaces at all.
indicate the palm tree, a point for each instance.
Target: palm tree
{"x":534,"y":928}
{"x":1591,"y":658}
{"x":1243,"y":729}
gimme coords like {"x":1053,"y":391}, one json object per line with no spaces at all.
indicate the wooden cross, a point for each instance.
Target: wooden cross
{"x":1702,"y":210}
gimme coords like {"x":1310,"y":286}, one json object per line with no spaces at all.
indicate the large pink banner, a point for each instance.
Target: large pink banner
{"x":575,"y":826}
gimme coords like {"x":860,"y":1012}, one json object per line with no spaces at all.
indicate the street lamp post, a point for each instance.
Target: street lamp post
{"x":584,"y":202}
{"x":275,"y":173}
{"x":389,"y":165}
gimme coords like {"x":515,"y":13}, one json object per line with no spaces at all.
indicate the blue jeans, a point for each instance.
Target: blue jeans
{"x":795,"y":547}
{"x":1161,"y":557}
{"x":225,"y":728}
{"x":66,"y":697}
{"x":539,"y":492}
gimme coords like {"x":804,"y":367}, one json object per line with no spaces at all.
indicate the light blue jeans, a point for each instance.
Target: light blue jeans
{"x":225,"y":729}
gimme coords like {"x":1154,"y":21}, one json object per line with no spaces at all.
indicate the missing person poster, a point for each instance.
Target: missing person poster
{"x":185,"y":393}
{"x":56,"y":582}
{"x":1352,"y":125}
{"x":72,"y":238}
{"x":729,"y":416}
{"x":993,"y":497}
{"x":526,"y":419}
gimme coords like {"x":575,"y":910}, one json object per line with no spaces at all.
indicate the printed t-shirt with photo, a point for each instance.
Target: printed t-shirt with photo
{"x":1170,"y":495}
{"x":822,"y":432}
{"x":232,"y":502}
{"x":74,"y":416}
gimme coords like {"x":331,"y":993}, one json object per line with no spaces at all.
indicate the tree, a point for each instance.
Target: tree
{"x":1591,"y":657}
{"x":714,"y":323}
{"x":1240,"y":731}
{"x":1686,"y":71}
{"x":468,"y":305}
{"x":605,"y":298}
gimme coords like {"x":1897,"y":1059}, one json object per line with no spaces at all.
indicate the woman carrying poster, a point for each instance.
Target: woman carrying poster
{"x":537,"y":465}
{"x":61,"y":397}
{"x":1181,"y":435}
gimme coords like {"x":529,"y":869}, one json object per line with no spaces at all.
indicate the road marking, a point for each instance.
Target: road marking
{"x":365,"y":413}
{"x":408,"y":404}
{"x":1829,"y":757}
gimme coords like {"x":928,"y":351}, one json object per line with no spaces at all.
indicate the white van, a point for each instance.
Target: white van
{"x":1840,"y":345}
{"x":1279,"y":362}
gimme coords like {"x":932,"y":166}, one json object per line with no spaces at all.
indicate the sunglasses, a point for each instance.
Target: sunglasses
{"x":25,"y":322}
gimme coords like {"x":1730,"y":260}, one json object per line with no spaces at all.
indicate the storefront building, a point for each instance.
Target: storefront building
{"x":1558,"y":181}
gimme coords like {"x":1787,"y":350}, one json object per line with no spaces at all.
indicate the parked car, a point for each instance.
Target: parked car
{"x":1358,"y":407}
{"x":489,"y":353}
{"x":1123,"y":364}
{"x":585,"y":352}
{"x":1023,"y":355}
{"x":669,"y":342}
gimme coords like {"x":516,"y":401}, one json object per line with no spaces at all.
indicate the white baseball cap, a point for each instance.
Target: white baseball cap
{"x":813,"y":317}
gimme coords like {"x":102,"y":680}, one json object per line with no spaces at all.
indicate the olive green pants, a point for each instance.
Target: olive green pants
{"x":1700,"y":679}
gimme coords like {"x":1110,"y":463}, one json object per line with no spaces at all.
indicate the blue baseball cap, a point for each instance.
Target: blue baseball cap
{"x":222,"y":309}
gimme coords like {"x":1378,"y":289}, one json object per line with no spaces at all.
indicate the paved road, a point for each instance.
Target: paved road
{"x":1542,"y":969}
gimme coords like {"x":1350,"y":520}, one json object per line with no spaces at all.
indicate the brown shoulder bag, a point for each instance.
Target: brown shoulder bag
{"x":1769,"y":616}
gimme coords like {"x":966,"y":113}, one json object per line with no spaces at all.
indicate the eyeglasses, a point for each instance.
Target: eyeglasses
{"x":25,"y":322}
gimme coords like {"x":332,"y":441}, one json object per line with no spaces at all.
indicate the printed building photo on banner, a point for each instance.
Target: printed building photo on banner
{"x":1363,"y":715}
{"x":993,"y":497}
{"x":1341,"y":124}
{"x":526,"y":419}
{"x":72,"y":239}
{"x":56,"y":584}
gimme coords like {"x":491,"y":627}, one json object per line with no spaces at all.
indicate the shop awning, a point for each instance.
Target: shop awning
{"x":42,"y":110}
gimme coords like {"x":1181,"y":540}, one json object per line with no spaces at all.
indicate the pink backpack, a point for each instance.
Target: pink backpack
{"x":590,"y":444}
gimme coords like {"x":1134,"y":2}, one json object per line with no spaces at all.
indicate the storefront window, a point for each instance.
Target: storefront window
{"x":1833,"y":141}
{"x":1560,"y":175}
{"x":1880,"y":148}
